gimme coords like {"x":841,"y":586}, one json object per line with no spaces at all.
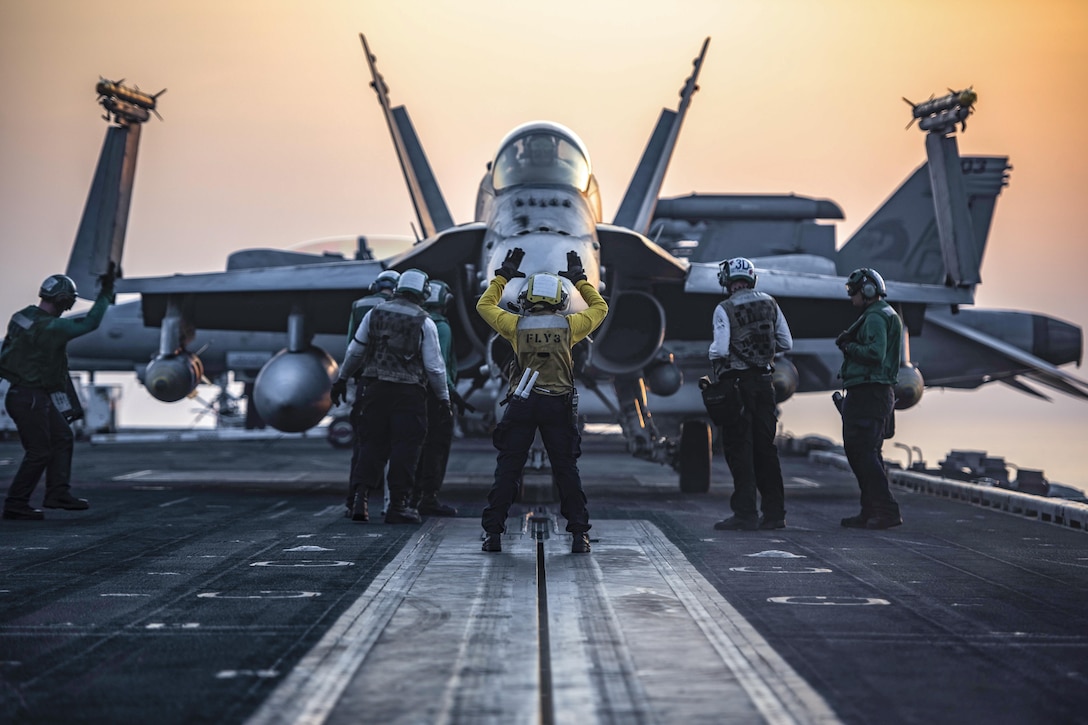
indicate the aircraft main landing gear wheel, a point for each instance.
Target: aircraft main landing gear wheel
{"x":340,"y":433}
{"x":695,"y":457}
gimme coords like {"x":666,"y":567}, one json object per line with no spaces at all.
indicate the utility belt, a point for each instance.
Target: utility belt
{"x":65,"y":401}
{"x":526,"y":388}
{"x":745,"y":374}
{"x":725,"y":373}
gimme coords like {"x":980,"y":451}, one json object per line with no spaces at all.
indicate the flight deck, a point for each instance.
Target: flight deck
{"x":216,"y":581}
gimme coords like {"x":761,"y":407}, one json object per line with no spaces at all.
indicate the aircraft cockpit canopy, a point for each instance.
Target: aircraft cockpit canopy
{"x":541,"y":153}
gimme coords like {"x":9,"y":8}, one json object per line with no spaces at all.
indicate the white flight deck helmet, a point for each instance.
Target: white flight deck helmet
{"x":737,"y":268}
{"x":387,"y":280}
{"x":414,"y":284}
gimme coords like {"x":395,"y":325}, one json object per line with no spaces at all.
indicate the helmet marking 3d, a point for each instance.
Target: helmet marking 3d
{"x":387,"y":280}
{"x":544,"y":290}
{"x":737,"y":268}
{"x":415,"y":283}
{"x":440,"y":296}
{"x":57,"y":285}
{"x":866,"y":281}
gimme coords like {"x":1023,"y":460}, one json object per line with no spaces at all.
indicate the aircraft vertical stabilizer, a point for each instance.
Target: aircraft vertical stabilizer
{"x":901,"y":239}
{"x":430,"y":206}
{"x":100,"y":240}
{"x":637,"y":208}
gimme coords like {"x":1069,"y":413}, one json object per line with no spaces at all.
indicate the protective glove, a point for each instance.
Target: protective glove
{"x":445,"y":412}
{"x":106,"y":282}
{"x":575,"y":272}
{"x":510,"y":264}
{"x":843,"y":341}
{"x":339,"y":392}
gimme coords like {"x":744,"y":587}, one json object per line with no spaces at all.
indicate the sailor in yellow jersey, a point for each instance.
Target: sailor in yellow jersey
{"x":542,"y":394}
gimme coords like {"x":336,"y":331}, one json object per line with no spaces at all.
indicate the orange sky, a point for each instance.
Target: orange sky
{"x":272,"y":137}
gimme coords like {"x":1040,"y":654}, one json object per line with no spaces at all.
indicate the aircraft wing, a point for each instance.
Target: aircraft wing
{"x":636,"y":257}
{"x":445,"y":255}
{"x":814,"y":303}
{"x":1020,"y":362}
{"x":259,"y":299}
{"x":703,"y":278}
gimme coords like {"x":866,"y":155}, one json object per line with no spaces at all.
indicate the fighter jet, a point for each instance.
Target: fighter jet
{"x":540,"y":195}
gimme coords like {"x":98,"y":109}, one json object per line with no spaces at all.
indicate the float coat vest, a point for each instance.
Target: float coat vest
{"x":875,"y":349}
{"x":752,"y":316}
{"x":360,"y":307}
{"x":543,"y":344}
{"x":395,"y":344}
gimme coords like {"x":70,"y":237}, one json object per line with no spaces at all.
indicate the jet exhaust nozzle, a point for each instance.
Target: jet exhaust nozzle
{"x":292,"y":392}
{"x":170,"y":378}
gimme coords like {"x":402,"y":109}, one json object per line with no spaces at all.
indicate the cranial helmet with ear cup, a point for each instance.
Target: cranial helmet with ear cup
{"x":414,"y":283}
{"x":866,"y":281}
{"x":440,"y":296}
{"x":545,"y":291}
{"x":387,"y":280}
{"x":730,"y":270}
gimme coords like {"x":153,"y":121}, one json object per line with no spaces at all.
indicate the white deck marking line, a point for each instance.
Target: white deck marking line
{"x":603,"y":675}
{"x":776,"y":689}
{"x":614,"y":671}
{"x":133,"y":476}
{"x":315,"y":685}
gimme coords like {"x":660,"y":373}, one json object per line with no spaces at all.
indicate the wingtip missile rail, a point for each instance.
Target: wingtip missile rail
{"x":126,"y":104}
{"x":940,"y":115}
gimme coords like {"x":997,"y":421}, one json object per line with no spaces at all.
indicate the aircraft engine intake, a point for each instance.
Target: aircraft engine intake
{"x":292,"y":390}
{"x":170,"y":378}
{"x":908,"y":391}
{"x":633,"y":336}
{"x":784,"y":379}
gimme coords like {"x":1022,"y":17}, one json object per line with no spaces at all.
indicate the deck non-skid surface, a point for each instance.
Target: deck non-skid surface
{"x":632,"y":634}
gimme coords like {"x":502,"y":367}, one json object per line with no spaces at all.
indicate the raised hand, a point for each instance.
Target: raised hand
{"x":575,"y":272}
{"x":510,"y":264}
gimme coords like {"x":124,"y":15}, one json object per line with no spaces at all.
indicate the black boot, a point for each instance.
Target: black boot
{"x":65,"y":500}
{"x":580,"y":545}
{"x":361,"y":510}
{"x":399,"y":512}
{"x":492,"y":542}
{"x":430,"y":506}
{"x":23,"y":513}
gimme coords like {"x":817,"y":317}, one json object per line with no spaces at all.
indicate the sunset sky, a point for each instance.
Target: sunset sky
{"x":272,"y":137}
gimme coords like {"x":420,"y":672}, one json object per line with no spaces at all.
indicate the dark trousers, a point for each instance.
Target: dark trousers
{"x":865,"y":418}
{"x":392,"y":424}
{"x":436,"y":450}
{"x":513,"y":437}
{"x":47,"y":440}
{"x":750,"y":452}
{"x":357,"y":447}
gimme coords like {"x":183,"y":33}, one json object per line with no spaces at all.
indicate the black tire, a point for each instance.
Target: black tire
{"x":340,"y":433}
{"x":695,"y":456}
